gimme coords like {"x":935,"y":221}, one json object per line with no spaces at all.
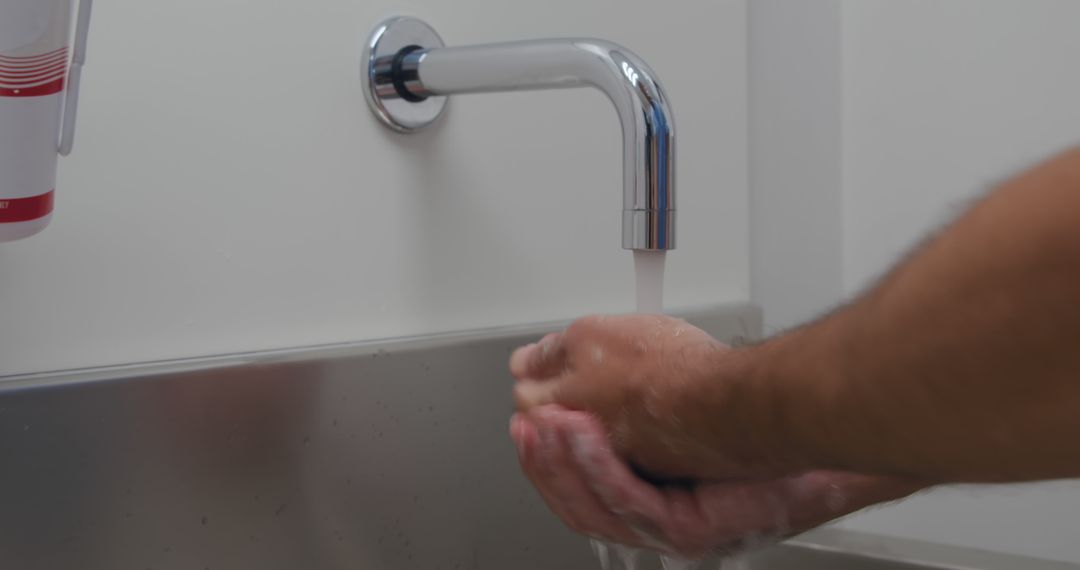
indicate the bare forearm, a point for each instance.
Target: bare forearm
{"x":962,"y":365}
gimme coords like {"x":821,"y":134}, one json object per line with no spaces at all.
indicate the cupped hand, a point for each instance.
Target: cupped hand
{"x":568,"y":457}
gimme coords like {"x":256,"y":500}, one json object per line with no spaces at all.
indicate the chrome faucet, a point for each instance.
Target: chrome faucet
{"x":408,"y":73}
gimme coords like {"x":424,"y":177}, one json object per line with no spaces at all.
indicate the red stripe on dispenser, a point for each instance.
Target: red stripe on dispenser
{"x":25,"y":209}
{"x":31,"y":66}
{"x":54,"y":86}
{"x":33,"y":73}
{"x":35,"y":57}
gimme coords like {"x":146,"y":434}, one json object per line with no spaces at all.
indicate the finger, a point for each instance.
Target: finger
{"x":554,"y":476}
{"x":518,"y":428}
{"x":611,"y":478}
{"x":542,"y":470}
{"x":638,"y":504}
{"x":538,"y":476}
{"x":530,"y":394}
{"x":561,"y":483}
{"x":540,"y":360}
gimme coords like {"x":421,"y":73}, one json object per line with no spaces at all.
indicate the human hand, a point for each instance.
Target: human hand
{"x":658,"y":384}
{"x":569,"y":459}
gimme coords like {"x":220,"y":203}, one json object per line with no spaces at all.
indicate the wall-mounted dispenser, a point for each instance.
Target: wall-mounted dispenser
{"x":39,"y":91}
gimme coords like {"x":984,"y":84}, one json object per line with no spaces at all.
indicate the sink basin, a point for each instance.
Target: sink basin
{"x":389,"y":455}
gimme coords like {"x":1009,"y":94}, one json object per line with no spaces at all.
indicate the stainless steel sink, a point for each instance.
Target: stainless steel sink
{"x":834,"y":549}
{"x":374,"y":456}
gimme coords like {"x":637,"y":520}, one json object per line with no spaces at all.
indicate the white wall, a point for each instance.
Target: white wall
{"x":939,"y":101}
{"x":230,"y":190}
{"x":796,"y":245}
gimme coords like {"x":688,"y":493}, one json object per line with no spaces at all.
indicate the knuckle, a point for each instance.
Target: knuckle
{"x":550,"y":340}
{"x":584,"y":326}
{"x":522,"y":401}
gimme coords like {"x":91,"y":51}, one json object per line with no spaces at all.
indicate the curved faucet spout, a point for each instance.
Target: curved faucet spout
{"x":415,"y":73}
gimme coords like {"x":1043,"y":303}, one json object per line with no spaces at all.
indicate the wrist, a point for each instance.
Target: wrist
{"x":784,"y":397}
{"x":741,"y":409}
{"x":768,"y":402}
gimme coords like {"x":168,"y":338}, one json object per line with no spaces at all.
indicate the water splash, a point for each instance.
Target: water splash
{"x":626,"y":555}
{"x":673,"y":563}
{"x":602,"y":552}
